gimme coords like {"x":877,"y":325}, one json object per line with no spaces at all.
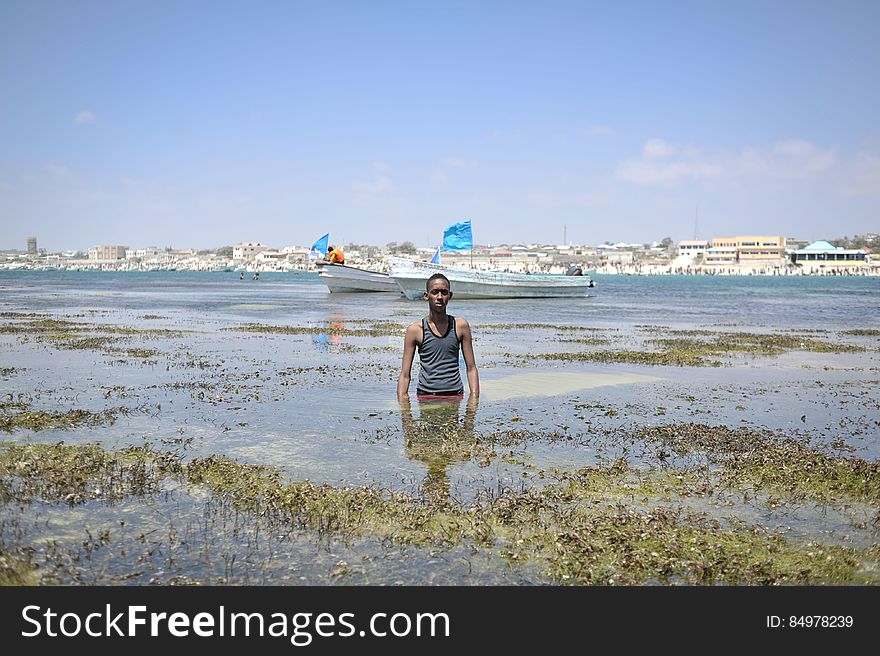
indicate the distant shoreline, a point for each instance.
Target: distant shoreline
{"x":608,"y":270}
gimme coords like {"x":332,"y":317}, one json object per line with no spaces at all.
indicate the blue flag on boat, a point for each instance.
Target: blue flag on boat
{"x":458,"y":237}
{"x":321,"y":244}
{"x":436,"y":258}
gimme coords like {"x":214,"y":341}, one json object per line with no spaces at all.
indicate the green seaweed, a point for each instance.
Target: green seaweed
{"x":582,"y":528}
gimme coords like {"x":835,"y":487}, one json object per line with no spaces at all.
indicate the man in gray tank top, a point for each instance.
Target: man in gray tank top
{"x":437,"y":338}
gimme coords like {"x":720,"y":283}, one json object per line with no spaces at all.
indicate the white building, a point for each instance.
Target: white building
{"x":692,"y":247}
{"x":247,"y":250}
{"x":269,"y":257}
{"x":822,"y":255}
{"x":107,"y":252}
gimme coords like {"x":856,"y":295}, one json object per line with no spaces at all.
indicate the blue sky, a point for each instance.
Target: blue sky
{"x":202,"y":124}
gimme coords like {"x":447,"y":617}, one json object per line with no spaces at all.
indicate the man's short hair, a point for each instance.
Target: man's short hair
{"x":437,"y":276}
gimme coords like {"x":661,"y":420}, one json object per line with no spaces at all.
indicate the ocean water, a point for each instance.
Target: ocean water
{"x":781,"y":301}
{"x":341,"y":387}
{"x":320,"y":404}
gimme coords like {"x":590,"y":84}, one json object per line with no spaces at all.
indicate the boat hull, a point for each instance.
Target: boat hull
{"x":468,"y":283}
{"x":340,"y":278}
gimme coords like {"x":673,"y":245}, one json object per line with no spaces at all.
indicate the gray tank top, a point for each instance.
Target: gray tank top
{"x":438,"y":357}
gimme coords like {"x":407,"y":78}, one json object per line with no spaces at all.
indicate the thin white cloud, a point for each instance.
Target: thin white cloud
{"x":657,"y":148}
{"x":443,"y":173}
{"x":648,"y":172}
{"x":792,"y":159}
{"x":85,"y":117}
{"x":666,"y":164}
{"x":505,"y":136}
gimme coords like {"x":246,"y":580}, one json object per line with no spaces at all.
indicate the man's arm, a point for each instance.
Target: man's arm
{"x":463,"y":328}
{"x":410,"y":341}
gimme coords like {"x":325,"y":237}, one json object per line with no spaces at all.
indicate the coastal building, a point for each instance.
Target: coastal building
{"x":270,"y":258}
{"x":692,"y":248}
{"x":720,"y":255}
{"x":297,"y":257}
{"x":149,"y":252}
{"x":107,"y":252}
{"x":760,"y":249}
{"x":247,"y":250}
{"x":747,"y":249}
{"x":31,"y":245}
{"x":821,"y":255}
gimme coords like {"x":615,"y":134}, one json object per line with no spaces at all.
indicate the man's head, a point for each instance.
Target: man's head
{"x":330,"y":249}
{"x":437,"y":291}
{"x":436,"y":276}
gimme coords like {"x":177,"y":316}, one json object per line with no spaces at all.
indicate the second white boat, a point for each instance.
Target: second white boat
{"x":344,"y":278}
{"x":470,"y":283}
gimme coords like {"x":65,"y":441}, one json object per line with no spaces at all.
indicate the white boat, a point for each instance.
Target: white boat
{"x":344,"y":278}
{"x":411,"y":276}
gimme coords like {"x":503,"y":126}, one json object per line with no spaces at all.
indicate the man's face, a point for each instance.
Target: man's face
{"x":438,"y":293}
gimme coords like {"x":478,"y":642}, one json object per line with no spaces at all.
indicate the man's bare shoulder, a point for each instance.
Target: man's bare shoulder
{"x":462,"y":324}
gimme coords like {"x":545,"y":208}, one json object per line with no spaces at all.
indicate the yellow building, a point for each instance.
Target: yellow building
{"x":720,"y":255}
{"x":748,"y":249}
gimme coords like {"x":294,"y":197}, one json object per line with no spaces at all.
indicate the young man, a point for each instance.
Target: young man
{"x":335,"y":255}
{"x":438,"y":338}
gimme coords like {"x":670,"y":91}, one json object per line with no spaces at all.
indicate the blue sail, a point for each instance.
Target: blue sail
{"x":458,"y":237}
{"x":436,"y":258}
{"x":321,"y":244}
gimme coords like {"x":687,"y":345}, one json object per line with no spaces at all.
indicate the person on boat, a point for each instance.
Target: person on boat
{"x":438,"y":338}
{"x":335,"y":255}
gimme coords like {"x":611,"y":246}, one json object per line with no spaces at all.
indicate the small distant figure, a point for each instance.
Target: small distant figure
{"x":335,"y":255}
{"x":257,"y":275}
{"x":241,"y":276}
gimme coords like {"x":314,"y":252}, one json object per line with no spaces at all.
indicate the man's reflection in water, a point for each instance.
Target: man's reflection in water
{"x":438,"y":438}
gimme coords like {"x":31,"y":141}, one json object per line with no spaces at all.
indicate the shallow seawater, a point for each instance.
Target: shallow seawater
{"x":318,"y":402}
